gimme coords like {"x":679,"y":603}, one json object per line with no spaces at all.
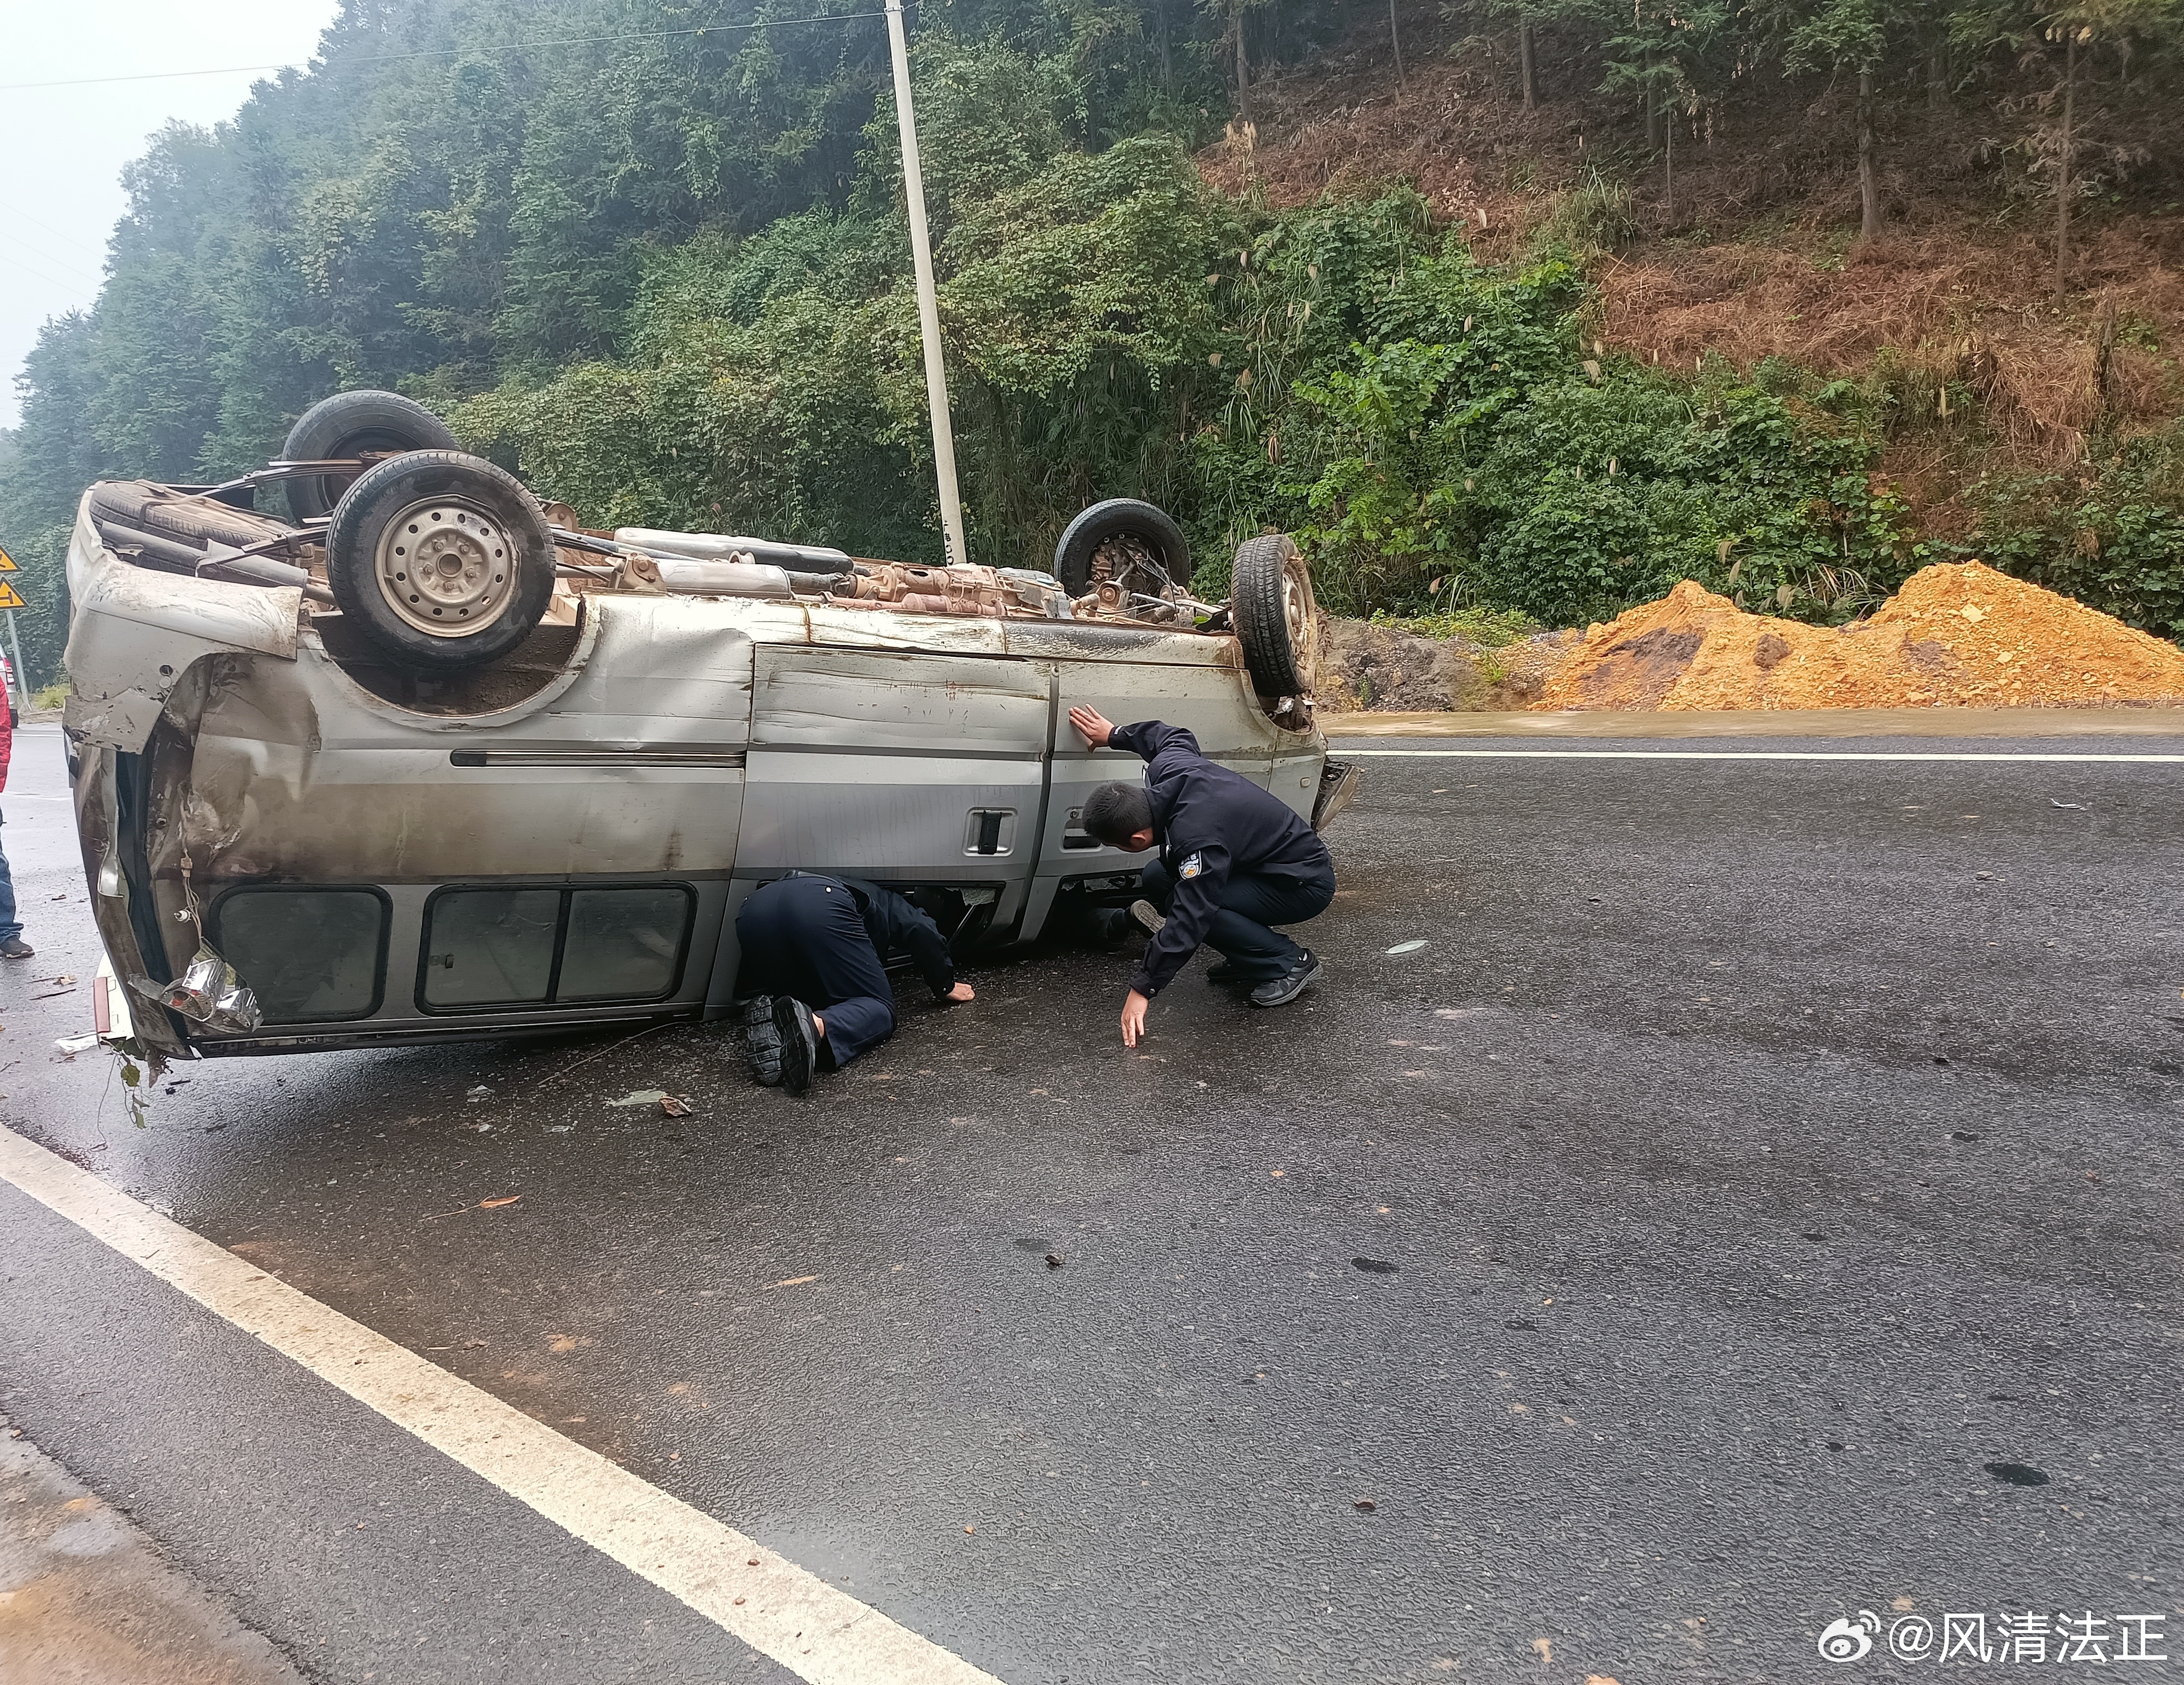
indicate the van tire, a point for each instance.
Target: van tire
{"x":1113,"y":519}
{"x":479,"y":532}
{"x":1277,"y":622}
{"x":345,"y":424}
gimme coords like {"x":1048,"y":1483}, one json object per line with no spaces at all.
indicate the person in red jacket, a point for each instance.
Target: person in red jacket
{"x":12,"y":945}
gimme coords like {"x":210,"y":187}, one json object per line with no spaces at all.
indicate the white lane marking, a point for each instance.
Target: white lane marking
{"x":1734,"y":754}
{"x":779,"y":1610}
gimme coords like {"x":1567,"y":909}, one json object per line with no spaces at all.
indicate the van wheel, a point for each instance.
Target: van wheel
{"x":1132,"y":543}
{"x":347,"y":425}
{"x":1276,"y":621}
{"x":441,"y":560}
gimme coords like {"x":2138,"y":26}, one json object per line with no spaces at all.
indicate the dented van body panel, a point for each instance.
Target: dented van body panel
{"x":563,"y":840}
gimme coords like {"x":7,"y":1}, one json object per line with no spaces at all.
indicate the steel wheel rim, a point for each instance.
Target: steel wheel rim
{"x":446,"y":567}
{"x":1297,"y":621}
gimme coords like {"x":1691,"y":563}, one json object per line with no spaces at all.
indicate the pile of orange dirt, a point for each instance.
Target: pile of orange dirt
{"x":1958,"y":635}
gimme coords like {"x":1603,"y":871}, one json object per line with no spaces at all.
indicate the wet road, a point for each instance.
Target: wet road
{"x":1756,"y":1202}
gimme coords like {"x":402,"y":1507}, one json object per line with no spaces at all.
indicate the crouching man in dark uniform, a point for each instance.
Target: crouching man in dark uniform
{"x":814,"y":972}
{"x":1233,"y":860}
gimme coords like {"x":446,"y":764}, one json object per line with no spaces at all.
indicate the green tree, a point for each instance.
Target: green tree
{"x":1851,"y":36}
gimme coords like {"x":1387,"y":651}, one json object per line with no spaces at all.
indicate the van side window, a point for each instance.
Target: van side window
{"x":309,"y":955}
{"x":531,"y":947}
{"x":623,"y":943}
{"x":491,"y":946}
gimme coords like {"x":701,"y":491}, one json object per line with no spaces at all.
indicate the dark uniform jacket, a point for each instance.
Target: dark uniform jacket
{"x":897,"y":928}
{"x":1209,"y":823}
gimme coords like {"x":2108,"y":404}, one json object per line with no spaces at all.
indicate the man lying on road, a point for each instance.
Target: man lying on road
{"x":1233,"y":860}
{"x":812,"y":944}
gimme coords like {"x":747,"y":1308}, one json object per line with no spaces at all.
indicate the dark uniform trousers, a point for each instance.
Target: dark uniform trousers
{"x":1249,"y":903}
{"x":804,"y":936}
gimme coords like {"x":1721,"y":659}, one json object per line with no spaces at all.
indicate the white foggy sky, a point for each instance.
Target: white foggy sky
{"x":60,"y":189}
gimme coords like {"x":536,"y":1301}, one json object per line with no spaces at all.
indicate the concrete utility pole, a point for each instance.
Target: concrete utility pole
{"x":929,"y":303}
{"x":22,"y":673}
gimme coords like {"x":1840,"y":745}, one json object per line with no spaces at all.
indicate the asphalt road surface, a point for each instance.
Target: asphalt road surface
{"x":1755,"y":1201}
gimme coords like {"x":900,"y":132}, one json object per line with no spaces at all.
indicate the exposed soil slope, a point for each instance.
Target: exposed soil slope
{"x":1753,"y":255}
{"x":1958,"y":634}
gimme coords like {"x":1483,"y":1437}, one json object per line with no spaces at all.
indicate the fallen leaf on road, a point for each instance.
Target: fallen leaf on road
{"x":1053,"y":1261}
{"x":640,"y":1097}
{"x":796,"y":1281}
{"x":495,"y":1205}
{"x":1546,"y":1647}
{"x":1364,"y":1504}
{"x":970,"y":1530}
{"x":1274,"y":1173}
{"x":676,"y":1106}
{"x":1407,"y":947}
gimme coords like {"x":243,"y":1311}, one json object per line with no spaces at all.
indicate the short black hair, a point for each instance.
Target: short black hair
{"x":1115,"y":813}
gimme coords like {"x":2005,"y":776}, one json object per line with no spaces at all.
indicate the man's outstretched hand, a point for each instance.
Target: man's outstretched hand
{"x":1091,"y":726}
{"x":1133,"y":1017}
{"x":961,"y":992}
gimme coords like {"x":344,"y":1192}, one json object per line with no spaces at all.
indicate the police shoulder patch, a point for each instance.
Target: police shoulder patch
{"x":1193,"y":865}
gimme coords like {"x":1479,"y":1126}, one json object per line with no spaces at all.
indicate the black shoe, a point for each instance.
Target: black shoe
{"x":800,"y":1042}
{"x":1285,"y":988}
{"x":16,"y":949}
{"x":762,"y":1041}
{"x":1107,"y":926}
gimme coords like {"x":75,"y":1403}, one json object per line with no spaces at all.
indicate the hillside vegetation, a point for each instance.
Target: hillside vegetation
{"x":1523,"y":307}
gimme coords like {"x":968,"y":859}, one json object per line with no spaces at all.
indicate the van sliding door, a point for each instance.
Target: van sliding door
{"x":912,"y":766}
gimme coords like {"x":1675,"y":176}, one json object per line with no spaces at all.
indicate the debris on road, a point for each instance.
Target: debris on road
{"x":1411,"y":947}
{"x":73,"y":1045}
{"x":796,"y":1281}
{"x":481,"y":1092}
{"x":1054,"y":1260}
{"x":1365,"y":1503}
{"x":640,"y":1097}
{"x":482,"y":1205}
{"x":675,"y":1105}
{"x":1958,"y":634}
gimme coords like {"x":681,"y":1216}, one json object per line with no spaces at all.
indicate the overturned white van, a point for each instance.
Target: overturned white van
{"x":430,"y":760}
